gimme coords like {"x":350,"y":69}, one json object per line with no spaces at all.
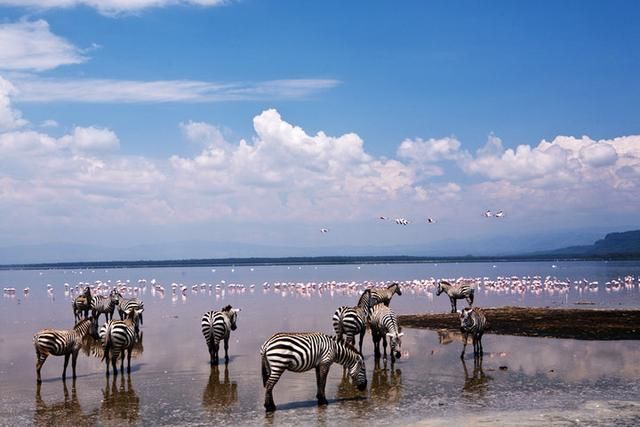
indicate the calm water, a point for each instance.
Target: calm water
{"x":520,"y":380}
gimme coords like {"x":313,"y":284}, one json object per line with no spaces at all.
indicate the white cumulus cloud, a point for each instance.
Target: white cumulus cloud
{"x":91,"y":139}
{"x":10,"y":118}
{"x":30,"y":45}
{"x":109,"y":7}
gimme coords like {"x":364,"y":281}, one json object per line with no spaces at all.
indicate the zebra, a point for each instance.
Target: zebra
{"x":384,"y":323}
{"x":59,"y":342}
{"x":456,"y":292}
{"x":101,"y":304}
{"x":300,"y":352}
{"x":473,"y":322}
{"x":119,"y":336}
{"x":126,"y":305}
{"x":217,"y":326}
{"x":381,"y":295}
{"x":82,"y":304}
{"x":351,"y":321}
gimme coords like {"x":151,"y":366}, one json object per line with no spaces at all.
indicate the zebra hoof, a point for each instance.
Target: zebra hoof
{"x":270,"y":407}
{"x":322,"y":402}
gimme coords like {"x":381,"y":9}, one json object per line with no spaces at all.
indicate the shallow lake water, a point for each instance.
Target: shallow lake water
{"x":519,"y":380}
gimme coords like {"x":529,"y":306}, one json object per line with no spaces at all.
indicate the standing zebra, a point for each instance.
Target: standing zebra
{"x":217,"y":326}
{"x":58,"y":342}
{"x":351,"y":321}
{"x":82,"y":304}
{"x":119,"y":336}
{"x":125,"y":305}
{"x":456,"y":292}
{"x":473,"y":322}
{"x":384,"y":323}
{"x":101,"y":304}
{"x":300,"y":352}
{"x":381,"y":295}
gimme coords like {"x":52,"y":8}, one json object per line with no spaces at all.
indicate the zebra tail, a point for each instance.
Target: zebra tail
{"x":107,"y":342}
{"x":266,"y":370}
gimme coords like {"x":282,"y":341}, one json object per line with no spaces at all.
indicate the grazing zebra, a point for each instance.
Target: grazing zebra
{"x":456,"y":292}
{"x":384,"y":323}
{"x":473,"y":322}
{"x":299,"y":352}
{"x":101,"y":304}
{"x":381,"y":295}
{"x":217,"y":326}
{"x":59,"y":342}
{"x":82,"y":304}
{"x":126,"y":305}
{"x":119,"y":336}
{"x":351,"y":321}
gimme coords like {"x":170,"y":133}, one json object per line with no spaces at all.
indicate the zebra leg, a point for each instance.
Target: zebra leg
{"x":470,"y":300}
{"x":66,"y":362}
{"x":464,"y":346}
{"x":74,"y":359}
{"x":216,"y":349}
{"x":274,"y":376}
{"x":376,"y":344}
{"x":226,"y":350}
{"x":321,"y":378}
{"x":361,"y":339}
{"x":114,"y":359}
{"x":122,"y":354}
{"x":384,"y":347}
{"x":40,"y":359}
{"x":454,"y":305}
{"x":128,"y":362}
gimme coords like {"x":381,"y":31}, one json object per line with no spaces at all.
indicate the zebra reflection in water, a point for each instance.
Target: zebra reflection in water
{"x":386,"y":384}
{"x":119,"y":403}
{"x":218,"y":395}
{"x":478,"y":382}
{"x":66,"y":412}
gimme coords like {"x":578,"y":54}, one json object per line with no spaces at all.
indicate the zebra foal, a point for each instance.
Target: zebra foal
{"x":217,"y":326}
{"x":456,"y":292}
{"x":351,"y":321}
{"x":58,"y":342}
{"x":473,"y":322}
{"x":384,"y":324}
{"x":300,"y":352}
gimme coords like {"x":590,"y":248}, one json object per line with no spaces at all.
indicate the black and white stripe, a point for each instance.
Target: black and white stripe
{"x":351,"y":321}
{"x":456,"y":292}
{"x":217,"y":326}
{"x":119,"y":336}
{"x":384,"y":324}
{"x":126,"y":305}
{"x":82,"y":304}
{"x":101,"y":304}
{"x":381,"y":295}
{"x":57,"y":342}
{"x":473,"y":322}
{"x":299,"y":352}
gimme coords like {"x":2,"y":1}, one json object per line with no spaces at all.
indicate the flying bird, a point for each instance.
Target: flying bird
{"x":430,"y":220}
{"x":488,"y":214}
{"x":324,"y":230}
{"x":499,"y":214}
{"x":382,"y":218}
{"x":402,"y":221}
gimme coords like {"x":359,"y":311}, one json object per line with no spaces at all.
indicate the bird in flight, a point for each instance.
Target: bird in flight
{"x":499,"y":214}
{"x":488,"y":214}
{"x":431,"y":220}
{"x":324,"y":230}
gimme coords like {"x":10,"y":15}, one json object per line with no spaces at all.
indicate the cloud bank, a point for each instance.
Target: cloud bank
{"x":110,"y":7}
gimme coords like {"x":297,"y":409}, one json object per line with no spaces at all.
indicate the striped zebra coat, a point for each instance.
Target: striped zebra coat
{"x":473,"y":322}
{"x":101,"y":304}
{"x":217,"y":326}
{"x":351,"y":321}
{"x":381,"y":295}
{"x":57,"y":342}
{"x":126,"y":305}
{"x":300,"y":352}
{"x":384,"y":324}
{"x":82,"y":304}
{"x":456,"y":292}
{"x":119,"y":336}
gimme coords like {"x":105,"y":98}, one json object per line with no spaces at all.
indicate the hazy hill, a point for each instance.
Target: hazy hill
{"x":625,"y":244}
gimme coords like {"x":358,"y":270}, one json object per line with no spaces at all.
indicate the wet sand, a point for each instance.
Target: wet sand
{"x":581,"y":324}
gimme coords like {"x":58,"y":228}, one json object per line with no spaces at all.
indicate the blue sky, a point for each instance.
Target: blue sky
{"x":263,"y":121}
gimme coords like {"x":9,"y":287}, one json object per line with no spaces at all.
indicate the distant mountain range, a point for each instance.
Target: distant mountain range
{"x":618,"y":245}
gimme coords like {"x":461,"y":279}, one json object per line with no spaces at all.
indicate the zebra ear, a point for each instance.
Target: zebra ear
{"x":235,"y":310}
{"x":400,"y":334}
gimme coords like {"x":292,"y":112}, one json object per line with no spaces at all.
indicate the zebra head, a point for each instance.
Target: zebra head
{"x":397,"y":288}
{"x":440,"y":289}
{"x":115,"y":297}
{"x":232,"y":315}
{"x":465,"y":318}
{"x":358,"y":373}
{"x":396,"y":343}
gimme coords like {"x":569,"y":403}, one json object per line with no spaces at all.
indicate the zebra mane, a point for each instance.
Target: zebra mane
{"x":227,"y":308}
{"x":393,"y":284}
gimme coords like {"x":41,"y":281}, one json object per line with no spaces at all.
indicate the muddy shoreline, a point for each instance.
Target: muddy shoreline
{"x":581,"y":324}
